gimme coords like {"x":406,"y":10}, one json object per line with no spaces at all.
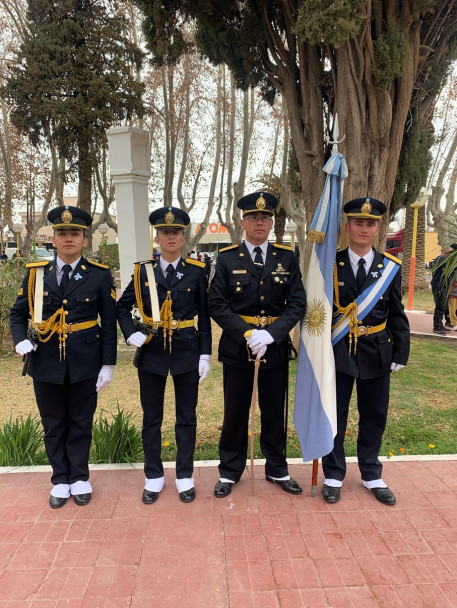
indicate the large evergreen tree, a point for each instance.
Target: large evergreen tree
{"x":73,"y":79}
{"x":367,"y":61}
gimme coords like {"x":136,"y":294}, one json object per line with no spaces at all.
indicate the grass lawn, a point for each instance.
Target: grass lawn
{"x":422,"y":418}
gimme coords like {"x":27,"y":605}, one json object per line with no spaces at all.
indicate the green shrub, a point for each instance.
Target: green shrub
{"x":116,"y":440}
{"x":11,"y":275}
{"x":21,"y":442}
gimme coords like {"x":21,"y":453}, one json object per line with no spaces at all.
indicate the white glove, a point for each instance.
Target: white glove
{"x":395,"y":367}
{"x":261,"y":352}
{"x":258,"y":339}
{"x":105,"y":375}
{"x":203,"y":369}
{"x":24,"y":347}
{"x":137,"y":339}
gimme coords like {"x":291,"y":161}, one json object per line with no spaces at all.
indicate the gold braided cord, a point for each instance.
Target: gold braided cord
{"x":350,"y":310}
{"x":139,"y":299}
{"x":166,"y":313}
{"x":55,"y":323}
{"x":166,"y":317}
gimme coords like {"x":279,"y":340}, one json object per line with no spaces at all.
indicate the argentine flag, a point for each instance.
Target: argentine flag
{"x":315,"y":394}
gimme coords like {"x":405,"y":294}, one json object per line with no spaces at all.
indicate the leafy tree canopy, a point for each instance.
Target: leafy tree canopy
{"x":73,"y":77}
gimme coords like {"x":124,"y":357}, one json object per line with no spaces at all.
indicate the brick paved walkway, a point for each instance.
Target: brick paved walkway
{"x":263,"y":551}
{"x":270,"y":550}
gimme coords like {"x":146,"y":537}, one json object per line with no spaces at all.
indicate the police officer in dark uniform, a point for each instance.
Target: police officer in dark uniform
{"x":373,"y":340}
{"x":70,"y":306}
{"x":257,"y":297}
{"x":178,"y":348}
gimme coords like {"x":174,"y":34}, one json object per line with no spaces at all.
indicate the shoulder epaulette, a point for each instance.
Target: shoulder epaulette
{"x":282,"y":246}
{"x":392,"y":257}
{"x":228,"y":248}
{"x":94,"y":263}
{"x":36,"y":264}
{"x":195,"y":262}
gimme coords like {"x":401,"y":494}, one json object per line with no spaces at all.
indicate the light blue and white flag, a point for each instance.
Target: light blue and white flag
{"x":315,"y":394}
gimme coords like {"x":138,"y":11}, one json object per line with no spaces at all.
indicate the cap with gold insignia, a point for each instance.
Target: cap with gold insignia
{"x":169,"y":217}
{"x":258,"y":202}
{"x":365,"y":208}
{"x":69,"y":217}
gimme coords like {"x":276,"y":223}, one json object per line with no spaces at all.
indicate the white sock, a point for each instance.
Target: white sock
{"x":185,"y":484}
{"x":333,"y":483}
{"x":375,"y":483}
{"x":61,"y":490}
{"x":154,"y":485}
{"x":80,"y":487}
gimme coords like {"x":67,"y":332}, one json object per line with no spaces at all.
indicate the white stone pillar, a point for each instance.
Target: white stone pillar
{"x":130,"y":168}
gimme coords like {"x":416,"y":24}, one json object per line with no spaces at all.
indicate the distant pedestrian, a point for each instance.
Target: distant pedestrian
{"x":440,"y":289}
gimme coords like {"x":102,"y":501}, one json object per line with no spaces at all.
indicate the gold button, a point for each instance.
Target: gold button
{"x":238,"y":289}
{"x":237,"y":282}
{"x":87,"y":300}
{"x":261,"y":283}
{"x":262,"y":297}
{"x":64,"y":301}
{"x":188,"y":289}
{"x":66,"y":312}
{"x":262,"y":312}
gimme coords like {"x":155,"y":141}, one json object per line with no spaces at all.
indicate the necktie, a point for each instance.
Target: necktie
{"x":361,"y":275}
{"x":66,"y":268}
{"x":170,"y":271}
{"x":258,"y":256}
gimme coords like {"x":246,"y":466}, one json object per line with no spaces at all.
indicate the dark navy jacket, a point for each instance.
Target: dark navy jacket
{"x":189,"y":295}
{"x":375,"y":352}
{"x":90,"y":295}
{"x":238,"y":288}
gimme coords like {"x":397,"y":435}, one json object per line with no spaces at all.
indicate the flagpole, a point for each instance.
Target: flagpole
{"x":314,"y":477}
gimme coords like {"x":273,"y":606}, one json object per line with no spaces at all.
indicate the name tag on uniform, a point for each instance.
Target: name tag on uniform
{"x":239,"y":271}
{"x":340,"y":283}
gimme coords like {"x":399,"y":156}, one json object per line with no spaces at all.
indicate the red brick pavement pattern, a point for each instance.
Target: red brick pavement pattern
{"x":271,"y":550}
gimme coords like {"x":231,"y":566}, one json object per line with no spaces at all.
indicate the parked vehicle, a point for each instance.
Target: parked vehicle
{"x":395,"y":242}
{"x":40,"y":252}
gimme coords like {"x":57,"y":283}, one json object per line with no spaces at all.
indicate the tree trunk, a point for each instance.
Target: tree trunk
{"x":85,"y":182}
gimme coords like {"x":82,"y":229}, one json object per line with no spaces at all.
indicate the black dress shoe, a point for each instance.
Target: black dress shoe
{"x":288,"y":485}
{"x":223,"y":488}
{"x":149,"y":497}
{"x":384,"y":495}
{"x":187,"y":495}
{"x":55,"y":502}
{"x":331,"y":494}
{"x":82,"y":499}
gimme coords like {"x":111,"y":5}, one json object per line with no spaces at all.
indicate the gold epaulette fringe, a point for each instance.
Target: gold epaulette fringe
{"x":316,"y":237}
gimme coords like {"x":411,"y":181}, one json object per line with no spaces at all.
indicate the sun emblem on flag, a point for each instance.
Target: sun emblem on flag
{"x":315,"y":317}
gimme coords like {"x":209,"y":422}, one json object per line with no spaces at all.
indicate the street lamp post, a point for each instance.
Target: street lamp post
{"x":412,"y":268}
{"x":17,"y":229}
{"x":291,"y":228}
{"x":103,"y":229}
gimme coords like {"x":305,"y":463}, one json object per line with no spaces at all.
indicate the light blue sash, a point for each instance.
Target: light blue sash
{"x":367,"y":299}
